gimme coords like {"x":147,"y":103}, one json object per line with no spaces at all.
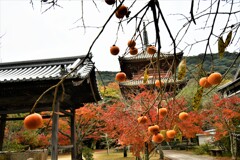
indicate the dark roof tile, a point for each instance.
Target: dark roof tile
{"x":45,"y":69}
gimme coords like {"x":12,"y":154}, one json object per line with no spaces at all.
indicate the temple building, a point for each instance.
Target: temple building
{"x":145,"y":69}
{"x":26,"y":83}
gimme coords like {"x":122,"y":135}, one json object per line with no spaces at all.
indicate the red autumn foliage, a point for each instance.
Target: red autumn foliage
{"x":121,"y":120}
{"x":223,"y":114}
{"x":88,"y":122}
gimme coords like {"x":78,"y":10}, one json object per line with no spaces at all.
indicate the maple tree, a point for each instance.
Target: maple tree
{"x":88,"y":125}
{"x":122,"y":124}
{"x":18,"y":138}
{"x":110,"y":93}
{"x":224,"y":115}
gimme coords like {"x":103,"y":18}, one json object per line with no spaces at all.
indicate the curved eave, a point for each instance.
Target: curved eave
{"x":230,"y":88}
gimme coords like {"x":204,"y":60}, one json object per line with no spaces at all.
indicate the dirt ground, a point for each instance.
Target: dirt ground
{"x":169,"y":154}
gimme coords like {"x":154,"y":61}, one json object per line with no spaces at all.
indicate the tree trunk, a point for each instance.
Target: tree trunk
{"x":138,"y":158}
{"x":233,"y":145}
{"x":125,"y":151}
{"x":79,"y":156}
{"x":2,"y":129}
{"x":93,"y":146}
{"x":107,"y":142}
{"x":79,"y":151}
{"x":161,"y":154}
{"x":146,"y":151}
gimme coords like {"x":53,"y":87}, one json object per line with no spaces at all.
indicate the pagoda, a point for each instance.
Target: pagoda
{"x":145,"y":69}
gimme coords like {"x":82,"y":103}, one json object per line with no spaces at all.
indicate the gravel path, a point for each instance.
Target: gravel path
{"x":186,"y":155}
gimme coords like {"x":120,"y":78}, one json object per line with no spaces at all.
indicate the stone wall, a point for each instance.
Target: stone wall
{"x":40,"y":154}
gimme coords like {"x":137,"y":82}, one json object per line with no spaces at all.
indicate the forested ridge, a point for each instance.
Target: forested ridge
{"x":220,"y":65}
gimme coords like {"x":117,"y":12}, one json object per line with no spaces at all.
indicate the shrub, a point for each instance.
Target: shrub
{"x":13,"y":146}
{"x":88,"y":153}
{"x":203,"y":149}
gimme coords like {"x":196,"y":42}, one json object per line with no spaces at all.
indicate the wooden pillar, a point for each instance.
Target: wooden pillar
{"x":55,"y":117}
{"x":73,"y":134}
{"x":2,"y":129}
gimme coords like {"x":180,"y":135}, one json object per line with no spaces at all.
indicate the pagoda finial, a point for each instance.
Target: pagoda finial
{"x":145,"y":36}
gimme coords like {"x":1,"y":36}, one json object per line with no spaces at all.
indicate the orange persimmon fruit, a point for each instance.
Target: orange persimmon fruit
{"x":151,"y":50}
{"x":157,"y":138}
{"x":214,"y":78}
{"x":121,"y":11}
{"x":142,"y":119}
{"x":171,"y":133}
{"x":133,"y":51}
{"x":114,"y":50}
{"x":110,"y":2}
{"x":118,"y":15}
{"x":153,"y":129}
{"x":33,"y":121}
{"x":131,"y":43}
{"x":183,"y":116}
{"x":203,"y":82}
{"x":120,"y":77}
{"x":158,"y":84}
{"x":162,"y":111}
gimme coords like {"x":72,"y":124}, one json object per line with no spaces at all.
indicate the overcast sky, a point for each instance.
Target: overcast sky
{"x":30,"y":34}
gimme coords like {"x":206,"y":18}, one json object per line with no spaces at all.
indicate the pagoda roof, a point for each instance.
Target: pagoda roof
{"x":131,"y":65}
{"x":170,"y":88}
{"x":145,"y":56}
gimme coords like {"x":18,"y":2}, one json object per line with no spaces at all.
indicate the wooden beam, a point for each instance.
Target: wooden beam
{"x":22,"y":118}
{"x":26,"y":109}
{"x":55,"y":118}
{"x":73,"y":135}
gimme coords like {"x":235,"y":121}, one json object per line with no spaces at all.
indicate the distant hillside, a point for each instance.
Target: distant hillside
{"x":105,"y":77}
{"x":221,"y":65}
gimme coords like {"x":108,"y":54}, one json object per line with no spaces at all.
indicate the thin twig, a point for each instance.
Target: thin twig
{"x":191,"y":12}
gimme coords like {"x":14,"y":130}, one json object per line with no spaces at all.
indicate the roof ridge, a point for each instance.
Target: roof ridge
{"x":39,"y":62}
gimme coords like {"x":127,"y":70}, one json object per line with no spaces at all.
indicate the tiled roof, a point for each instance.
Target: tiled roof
{"x":144,"y":55}
{"x":45,"y":69}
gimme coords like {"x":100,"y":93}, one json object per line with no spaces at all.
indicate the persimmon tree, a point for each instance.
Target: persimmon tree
{"x":203,"y":16}
{"x":199,"y":17}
